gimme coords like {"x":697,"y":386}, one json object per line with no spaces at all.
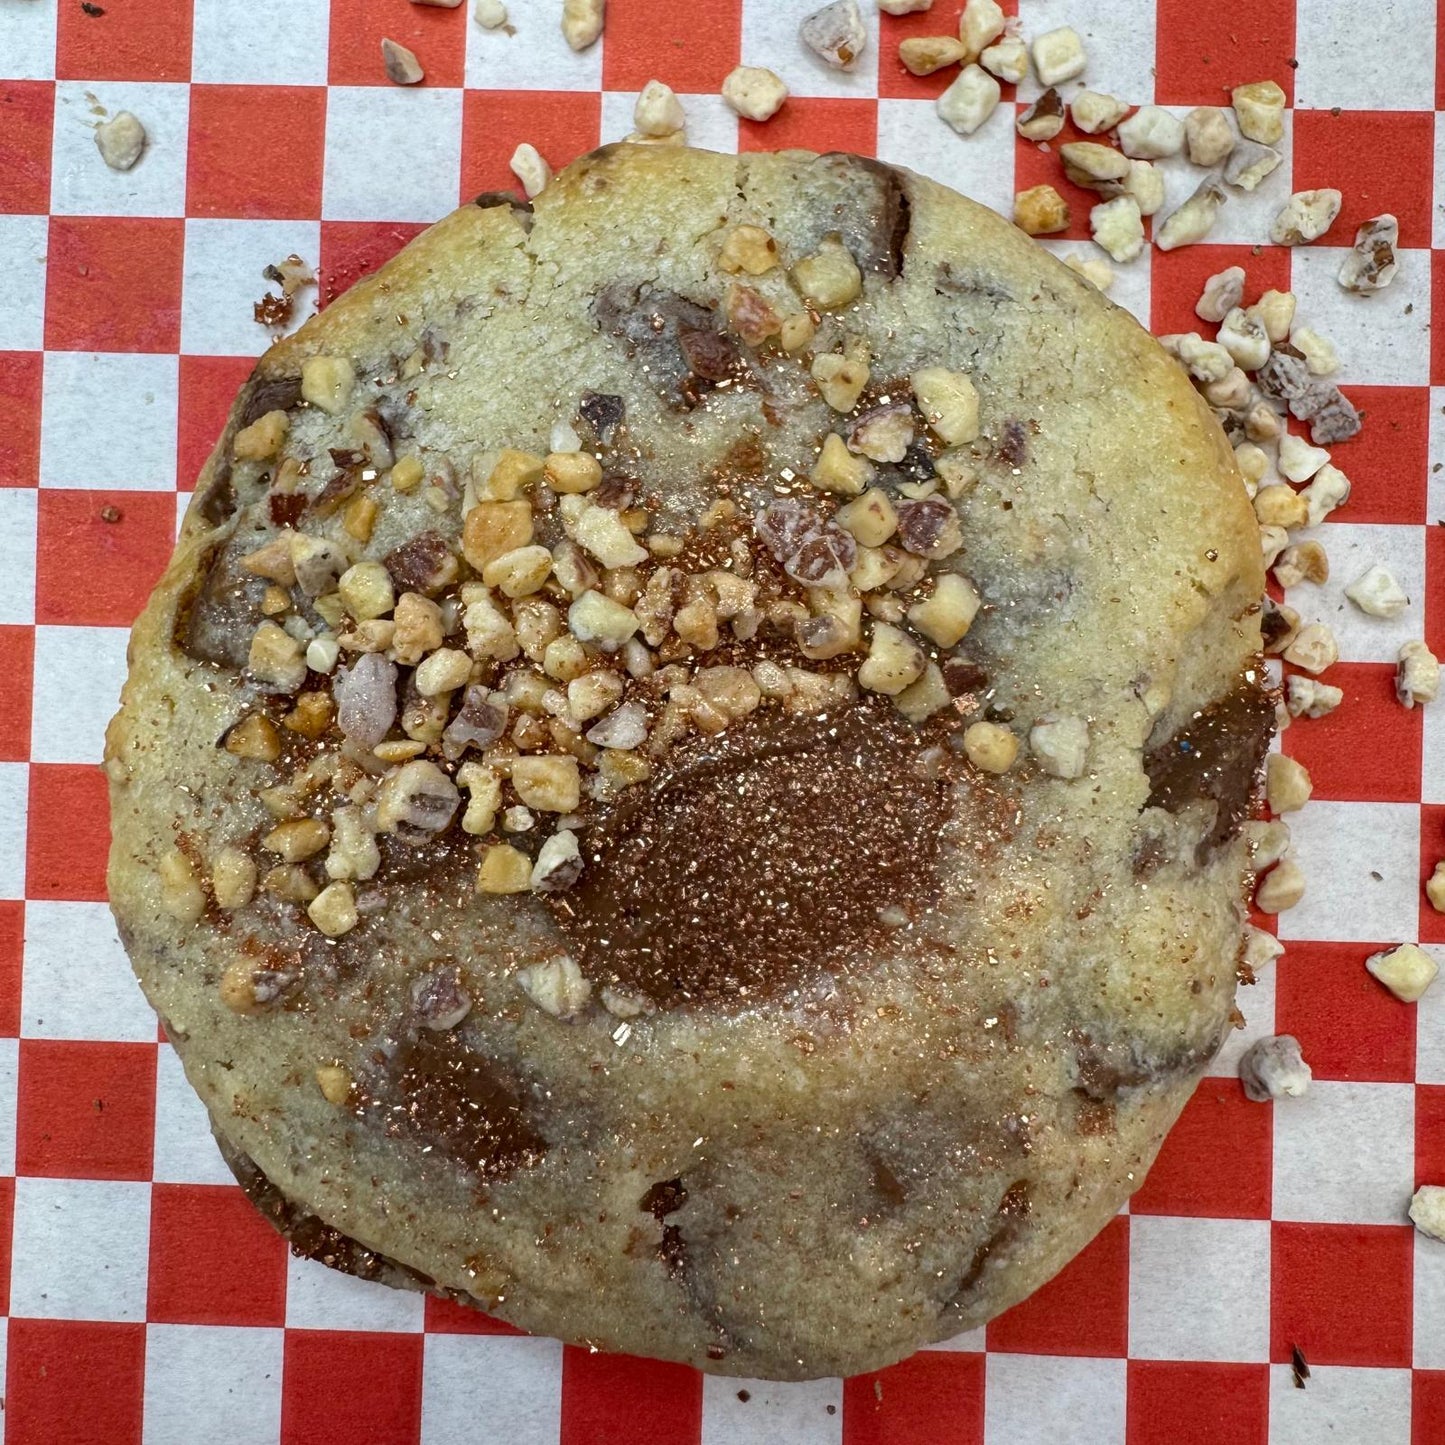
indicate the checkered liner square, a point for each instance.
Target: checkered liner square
{"x":144,"y":1300}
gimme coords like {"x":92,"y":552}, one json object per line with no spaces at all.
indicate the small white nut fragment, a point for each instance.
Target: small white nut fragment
{"x":529,"y":167}
{"x":582,"y":22}
{"x":1329,"y":489}
{"x":1097,"y":167}
{"x":1118,"y":227}
{"x":749,"y":249}
{"x":1204,"y":360}
{"x":920,"y":700}
{"x":883,"y":434}
{"x":557,"y":986}
{"x":548,"y":782}
{"x":1008,"y":59}
{"x":334,"y":1081}
{"x":658,"y":111}
{"x":444,"y":671}
{"x":1194,"y":220}
{"x":120,"y":140}
{"x":1092,"y":111}
{"x":1308,"y":697}
{"x":1249,"y":163}
{"x":1041,"y":211}
{"x":1208,"y":137}
{"x":326,"y":382}
{"x":520,"y":572}
{"x":353,"y":853}
{"x":484,"y":797}
{"x":1243,"y":336}
{"x":1314,"y":648}
{"x":1282,"y":887}
{"x":1427,"y":1210}
{"x":1252,"y":461}
{"x":623,"y":729}
{"x":597,"y":619}
{"x":1371,"y":264}
{"x":946,"y":617}
{"x":949,"y":403}
{"x":1272,"y":541}
{"x":181,"y":893}
{"x":1059,"y":56}
{"x":1061,"y":744}
{"x":260,"y":441}
{"x":1298,"y":460}
{"x":839,"y":470}
{"x":981,"y":23}
{"x":402,"y":66}
{"x":1231,"y":393}
{"x":233,"y":878}
{"x":333,"y":910}
{"x":1259,"y":109}
{"x":1377,"y":593}
{"x":841,"y":379}
{"x":1319,"y":352}
{"x":490,"y":14}
{"x":904,"y":7}
{"x":1094,"y":269}
{"x":277,"y":660}
{"x":870,"y":518}
{"x":601,"y":532}
{"x":923,"y":54}
{"x":1151,"y":133}
{"x":829,"y":278}
{"x":1417,"y":675}
{"x":1145,"y":182}
{"x":1268,"y":842}
{"x":1287,"y":784}
{"x":417,"y":798}
{"x":504,"y":869}
{"x":1305,"y":217}
{"x":1276,"y":310}
{"x":970,"y":100}
{"x":1260,"y":949}
{"x":894,"y":661}
{"x":754,"y":92}
{"x":1407,"y":971}
{"x":1043,"y":119}
{"x":990,"y":747}
{"x":1273,"y":1068}
{"x":559,"y":863}
{"x":1302,"y":562}
{"x":835,"y":34}
{"x":1435,"y":887}
{"x":366,"y":591}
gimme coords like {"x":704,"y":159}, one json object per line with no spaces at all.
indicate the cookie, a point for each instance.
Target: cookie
{"x":684,"y":782}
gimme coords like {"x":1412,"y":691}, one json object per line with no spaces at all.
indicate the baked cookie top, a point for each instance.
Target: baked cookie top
{"x":684,"y":780}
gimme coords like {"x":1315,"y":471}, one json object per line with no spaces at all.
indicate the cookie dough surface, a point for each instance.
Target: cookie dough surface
{"x":564,"y":806}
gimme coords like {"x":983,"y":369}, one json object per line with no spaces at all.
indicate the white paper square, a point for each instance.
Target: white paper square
{"x":109,"y":420}
{"x":261,"y":42}
{"x":1344,"y":1154}
{"x":1339,"y":845}
{"x":14,"y":807}
{"x":1118,"y":40}
{"x":1256,"y":1003}
{"x":78,"y":983}
{"x":316,"y":1297}
{"x":1380,"y":343}
{"x":81,"y":1249}
{"x":1053,"y":1400}
{"x":68,"y":722}
{"x":1342,"y":1405}
{"x":775,"y":1411}
{"x":214,"y":1383}
{"x":1198,"y":1288}
{"x":81,"y":182}
{"x":27,"y":40}
{"x":1353,"y":548}
{"x":1429,"y":1303}
{"x":223,"y":280}
{"x":770,"y":38}
{"x":23,"y":243}
{"x":1432,"y":756}
{"x":980,"y":165}
{"x":185,"y":1148}
{"x":17,"y":555}
{"x":9,"y":1076}
{"x":1386,"y":65}
{"x":536,"y":57}
{"x":392,"y":153}
{"x":1435,"y":478}
{"x":523,"y":1385}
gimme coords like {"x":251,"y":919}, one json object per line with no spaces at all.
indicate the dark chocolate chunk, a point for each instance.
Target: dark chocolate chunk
{"x":217,"y":623}
{"x":1012,"y":448}
{"x":917,"y":464}
{"x":603,"y":412}
{"x":1013,"y":1209}
{"x":217,"y":502}
{"x":679,"y":341}
{"x":488,"y":199}
{"x":664,"y":1198}
{"x":877,"y":234}
{"x":272,"y":393}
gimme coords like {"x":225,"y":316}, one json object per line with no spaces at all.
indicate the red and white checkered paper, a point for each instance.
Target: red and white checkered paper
{"x":146,"y":1300}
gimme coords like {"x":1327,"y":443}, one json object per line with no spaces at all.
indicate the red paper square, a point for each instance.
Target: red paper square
{"x":1432,"y":851}
{"x":1429,"y":1134}
{"x":17,"y":665}
{"x":1379,"y":160}
{"x":437,"y":36}
{"x":1427,"y":1413}
{"x":1202,"y":51}
{"x":1369,"y":749}
{"x":26,"y":111}
{"x":692,"y":48}
{"x":621,"y":1400}
{"x":936,"y":1396}
{"x":1174,"y":1402}
{"x":20,"y":387}
{"x":1437,"y":316}
{"x":74,"y":1382}
{"x":1176,"y":281}
{"x":213,"y":1259}
{"x":132,"y":40}
{"x":1083,"y":1310}
{"x":1218,"y":1160}
{"x":229,"y":174}
{"x":94,"y":572}
{"x":353,"y":249}
{"x":208,"y":386}
{"x":1388,"y":468}
{"x":114,"y":283}
{"x":1038,"y":165}
{"x":344,"y":1388}
{"x":1342,"y":1293}
{"x":7,"y":1222}
{"x":12,"y":948}
{"x":443,"y":1317}
{"x":85,"y":1110}
{"x":815,"y":123}
{"x":68,"y":836}
{"x":1348,"y":1026}
{"x":561,"y":124}
{"x":1435,"y":584}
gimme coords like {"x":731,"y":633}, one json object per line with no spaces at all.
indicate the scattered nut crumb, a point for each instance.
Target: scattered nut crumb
{"x":835,"y":34}
{"x":1417,"y":675}
{"x":1273,"y":1068}
{"x":1406,"y":970}
{"x":1377,"y":593}
{"x":120,"y":140}
{"x":1059,"y":56}
{"x":582,"y":22}
{"x":1371,"y":264}
{"x":402,"y":66}
{"x":970,"y":100}
{"x":1427,"y":1210}
{"x":529,"y":167}
{"x":754,"y":92}
{"x":1305,"y":217}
